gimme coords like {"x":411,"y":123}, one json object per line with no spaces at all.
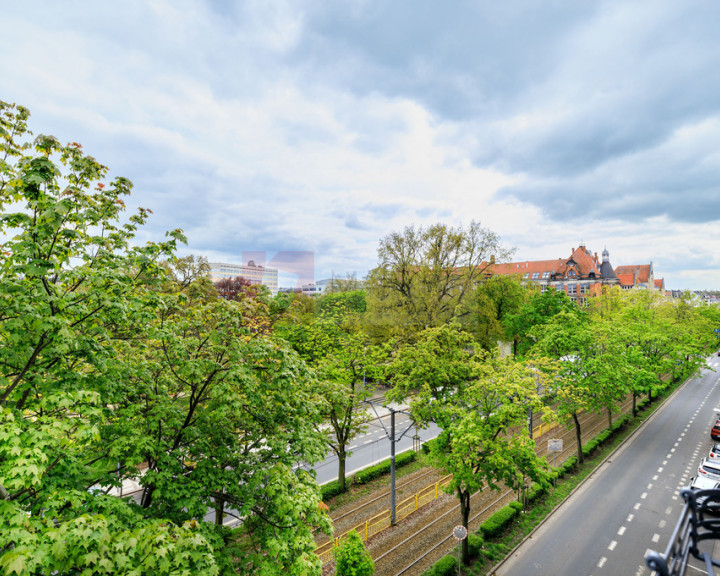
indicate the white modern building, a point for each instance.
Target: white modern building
{"x":254,"y":273}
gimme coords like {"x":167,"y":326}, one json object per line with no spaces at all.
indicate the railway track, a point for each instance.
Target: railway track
{"x":423,"y":538}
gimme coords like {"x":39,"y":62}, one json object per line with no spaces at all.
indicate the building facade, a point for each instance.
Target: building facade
{"x":254,"y":273}
{"x":581,"y":275}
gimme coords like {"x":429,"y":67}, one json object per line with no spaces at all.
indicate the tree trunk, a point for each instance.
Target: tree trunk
{"x":147,"y":496}
{"x":219,"y":509}
{"x":464,"y":496}
{"x":609,"y":418}
{"x":634,"y":409}
{"x":342,"y":456}
{"x":578,"y":436}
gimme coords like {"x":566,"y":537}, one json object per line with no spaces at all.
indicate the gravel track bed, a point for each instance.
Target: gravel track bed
{"x":486,"y":501}
{"x":370,"y":505}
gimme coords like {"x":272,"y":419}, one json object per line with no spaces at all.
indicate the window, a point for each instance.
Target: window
{"x":572,"y":274}
{"x":525,"y":276}
{"x":546,"y":275}
{"x":572,"y":288}
{"x":583,"y":288}
{"x":535,"y":275}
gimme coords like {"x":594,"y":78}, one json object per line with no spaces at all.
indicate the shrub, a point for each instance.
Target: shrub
{"x":566,"y":466}
{"x":426,"y":447}
{"x":446,"y":566}
{"x":330,"y":489}
{"x":352,"y":558}
{"x":365,"y":476}
{"x":475,"y":544}
{"x":494,"y":525}
{"x":536,"y":490}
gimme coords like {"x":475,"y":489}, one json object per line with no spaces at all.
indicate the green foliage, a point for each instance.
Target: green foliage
{"x":352,"y":558}
{"x":474,"y":397}
{"x":114,"y":354}
{"x":446,"y":566}
{"x":526,"y":325}
{"x":331,"y":489}
{"x":498,"y":522}
{"x":426,"y":277}
{"x":368,"y":474}
{"x":497,"y":300}
{"x":475,"y":545}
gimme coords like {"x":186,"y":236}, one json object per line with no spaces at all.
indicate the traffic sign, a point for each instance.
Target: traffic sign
{"x":460,"y":532}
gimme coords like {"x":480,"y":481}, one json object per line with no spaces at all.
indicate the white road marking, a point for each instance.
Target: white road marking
{"x":656,"y":538}
{"x":643,"y":496}
{"x":621,"y":531}
{"x":602,"y":562}
{"x":630,"y":517}
{"x":612,"y":545}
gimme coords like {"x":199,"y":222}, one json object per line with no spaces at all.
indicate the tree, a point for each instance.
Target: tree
{"x":352,"y":558}
{"x":425,"y":276}
{"x":496,"y":300}
{"x":69,"y":274}
{"x":113,"y":364}
{"x":333,"y":345}
{"x":540,"y":309}
{"x":480,"y":402}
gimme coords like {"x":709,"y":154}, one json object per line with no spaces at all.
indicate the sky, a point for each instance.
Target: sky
{"x":272,"y":128}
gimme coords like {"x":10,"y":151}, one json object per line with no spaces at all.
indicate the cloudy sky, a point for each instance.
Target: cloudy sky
{"x":322,"y":126}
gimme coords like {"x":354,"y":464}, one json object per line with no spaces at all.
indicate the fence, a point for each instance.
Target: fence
{"x":381,"y":521}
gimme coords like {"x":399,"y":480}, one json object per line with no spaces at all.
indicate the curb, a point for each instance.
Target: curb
{"x":661,"y":406}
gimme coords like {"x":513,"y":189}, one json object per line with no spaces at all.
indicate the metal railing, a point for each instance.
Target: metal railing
{"x":698,"y":522}
{"x":382,"y":521}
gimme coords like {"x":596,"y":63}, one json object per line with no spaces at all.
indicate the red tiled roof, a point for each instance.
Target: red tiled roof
{"x":627,"y":279}
{"x":585,"y":263}
{"x":641,"y":270}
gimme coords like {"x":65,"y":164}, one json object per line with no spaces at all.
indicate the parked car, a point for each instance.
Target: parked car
{"x":709,"y":468}
{"x":715,"y":451}
{"x":715,"y":430}
{"x":707,"y":500}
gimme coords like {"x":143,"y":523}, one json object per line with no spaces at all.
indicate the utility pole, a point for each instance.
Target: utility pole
{"x":391,"y":437}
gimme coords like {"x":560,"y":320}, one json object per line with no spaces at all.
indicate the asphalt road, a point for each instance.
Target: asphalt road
{"x":631,"y":503}
{"x":373,"y":446}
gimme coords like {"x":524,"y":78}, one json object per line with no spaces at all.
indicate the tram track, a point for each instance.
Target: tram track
{"x":424,"y":537}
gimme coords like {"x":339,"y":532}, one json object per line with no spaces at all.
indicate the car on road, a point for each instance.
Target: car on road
{"x":708,"y":501}
{"x":715,"y":430}
{"x":715,"y":451}
{"x":709,"y":469}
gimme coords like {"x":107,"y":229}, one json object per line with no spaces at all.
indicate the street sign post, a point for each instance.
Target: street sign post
{"x":459,"y":533}
{"x":555,"y":445}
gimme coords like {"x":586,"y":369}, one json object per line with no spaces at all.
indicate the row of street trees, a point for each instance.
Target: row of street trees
{"x":121,"y":361}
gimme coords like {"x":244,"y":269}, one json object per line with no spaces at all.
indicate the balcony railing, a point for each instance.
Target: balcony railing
{"x":699,"y":521}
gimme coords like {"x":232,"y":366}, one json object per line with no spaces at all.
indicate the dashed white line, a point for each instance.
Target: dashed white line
{"x":621,"y":531}
{"x":656,"y":538}
{"x":612,"y":545}
{"x":602,"y":561}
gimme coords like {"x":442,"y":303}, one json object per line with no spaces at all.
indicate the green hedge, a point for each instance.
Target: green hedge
{"x":566,"y":466}
{"x":364,"y":476}
{"x":475,"y":544}
{"x":500,"y":520}
{"x":330,"y":489}
{"x":536,"y":490}
{"x":427,"y":446}
{"x":446,"y":566}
